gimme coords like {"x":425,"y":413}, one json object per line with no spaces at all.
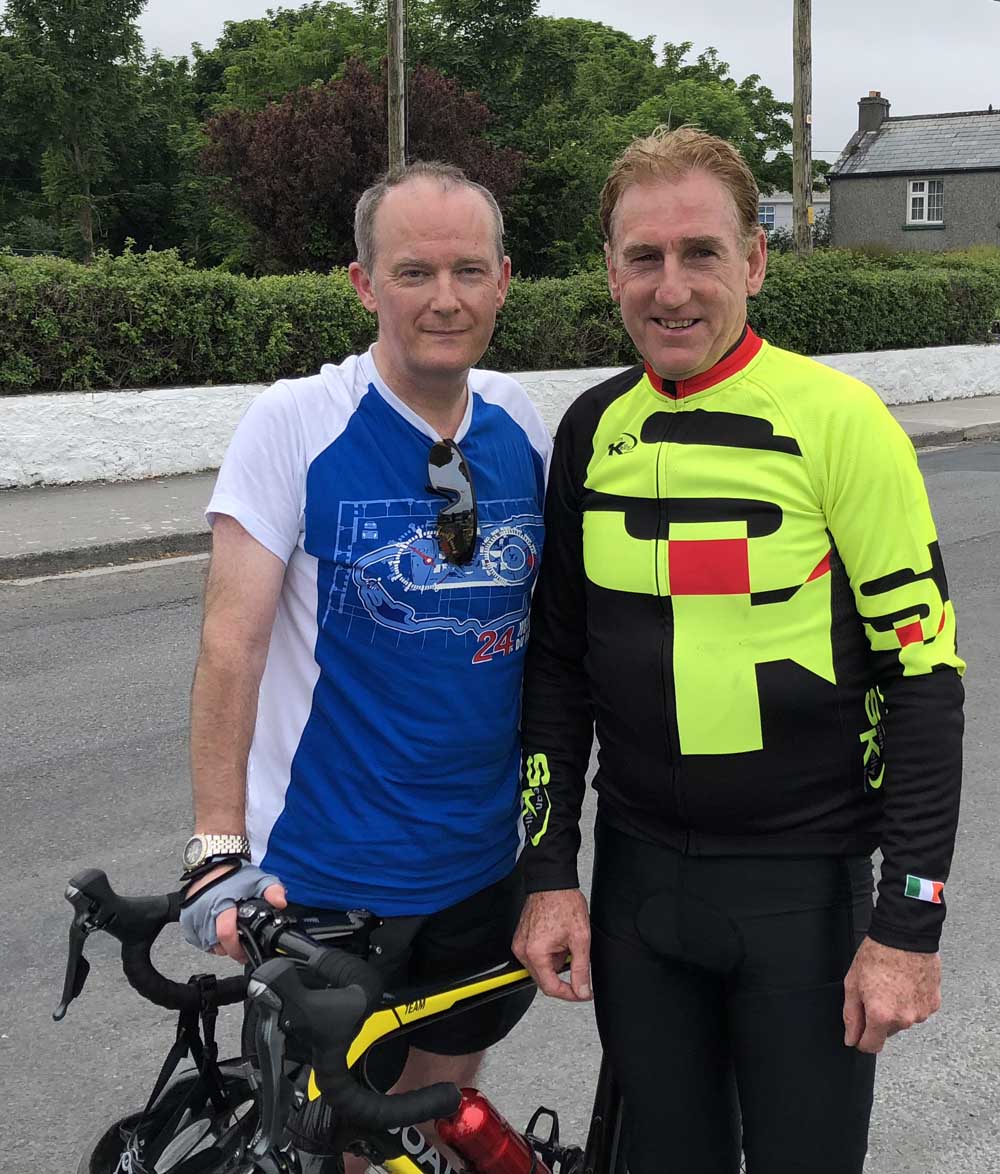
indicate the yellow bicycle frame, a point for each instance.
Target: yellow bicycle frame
{"x":403,"y":1165}
{"x":383,"y":1024}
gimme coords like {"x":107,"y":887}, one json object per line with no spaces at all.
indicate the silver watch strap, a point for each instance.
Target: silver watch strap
{"x":228,"y":845}
{"x":212,"y":846}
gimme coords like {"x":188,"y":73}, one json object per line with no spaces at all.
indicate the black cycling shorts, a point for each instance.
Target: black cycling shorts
{"x":719,"y":994}
{"x":471,"y":936}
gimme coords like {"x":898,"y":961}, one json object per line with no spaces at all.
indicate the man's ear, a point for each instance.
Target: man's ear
{"x":757,"y":262}
{"x":362,"y":283}
{"x":613,"y":284}
{"x":503,"y":285}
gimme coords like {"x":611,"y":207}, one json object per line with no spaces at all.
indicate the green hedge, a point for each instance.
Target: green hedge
{"x":836,"y":302}
{"x":151,"y":320}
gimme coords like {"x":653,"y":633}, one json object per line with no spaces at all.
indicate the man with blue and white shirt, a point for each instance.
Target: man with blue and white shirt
{"x":355,"y":705}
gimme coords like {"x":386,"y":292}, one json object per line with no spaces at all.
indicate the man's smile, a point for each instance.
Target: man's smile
{"x":676,"y":325}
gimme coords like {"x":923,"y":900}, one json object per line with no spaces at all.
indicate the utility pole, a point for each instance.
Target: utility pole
{"x":802,"y":211}
{"x":396,"y":16}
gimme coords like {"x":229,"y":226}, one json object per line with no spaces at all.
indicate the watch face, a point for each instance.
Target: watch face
{"x":193,"y":851}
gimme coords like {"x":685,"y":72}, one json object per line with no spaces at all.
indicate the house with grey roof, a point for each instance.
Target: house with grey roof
{"x":929,"y":181}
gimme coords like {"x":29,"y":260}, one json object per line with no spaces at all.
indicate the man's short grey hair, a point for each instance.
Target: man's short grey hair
{"x":446,"y":174}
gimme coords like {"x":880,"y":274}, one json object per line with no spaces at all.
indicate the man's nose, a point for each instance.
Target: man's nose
{"x":444,"y":296}
{"x":672,"y":286}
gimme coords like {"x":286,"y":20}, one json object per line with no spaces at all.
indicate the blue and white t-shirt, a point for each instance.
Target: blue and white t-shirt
{"x":384,"y":766}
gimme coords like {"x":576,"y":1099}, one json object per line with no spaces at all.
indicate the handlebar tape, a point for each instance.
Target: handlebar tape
{"x":327,"y":1020}
{"x":164,"y":992}
{"x":372,"y":1110}
{"x":338,"y":970}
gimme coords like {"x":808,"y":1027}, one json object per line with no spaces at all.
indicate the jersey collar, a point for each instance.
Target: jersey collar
{"x":731,"y":363}
{"x":373,"y":378}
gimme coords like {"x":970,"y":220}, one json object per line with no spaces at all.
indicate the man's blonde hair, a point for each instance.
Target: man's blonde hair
{"x":672,"y":154}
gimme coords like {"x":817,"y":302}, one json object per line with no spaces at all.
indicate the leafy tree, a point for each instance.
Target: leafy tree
{"x":92,"y":130}
{"x":480,"y":46}
{"x":297,"y":167}
{"x":611,"y":89}
{"x":259,"y":61}
{"x":147,"y":161}
{"x":79,"y":52}
{"x":24,"y":91}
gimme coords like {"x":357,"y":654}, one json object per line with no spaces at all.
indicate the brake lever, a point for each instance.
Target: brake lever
{"x":77,"y":969}
{"x":86,"y":921}
{"x":270,"y":1044}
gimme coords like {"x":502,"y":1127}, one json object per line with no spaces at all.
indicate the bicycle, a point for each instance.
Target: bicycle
{"x":298,"y":1097}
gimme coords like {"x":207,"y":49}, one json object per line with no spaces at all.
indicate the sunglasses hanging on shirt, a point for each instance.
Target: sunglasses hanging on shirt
{"x":457,"y":522}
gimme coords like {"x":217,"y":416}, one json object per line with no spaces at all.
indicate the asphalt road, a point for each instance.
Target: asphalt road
{"x":94,"y":674}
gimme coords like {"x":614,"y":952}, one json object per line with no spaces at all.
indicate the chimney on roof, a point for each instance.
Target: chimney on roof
{"x":872,"y":111}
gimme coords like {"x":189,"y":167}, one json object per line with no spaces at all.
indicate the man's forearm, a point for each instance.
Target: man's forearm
{"x":223,"y":713}
{"x":923,"y":728}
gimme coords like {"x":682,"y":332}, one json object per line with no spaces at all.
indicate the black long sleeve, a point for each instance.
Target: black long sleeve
{"x":557,"y":723}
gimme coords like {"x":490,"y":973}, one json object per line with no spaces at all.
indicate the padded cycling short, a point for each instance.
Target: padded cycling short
{"x":474,"y":934}
{"x":719,"y":991}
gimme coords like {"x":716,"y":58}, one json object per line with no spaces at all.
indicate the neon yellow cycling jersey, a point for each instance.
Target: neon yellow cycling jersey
{"x":742,"y":585}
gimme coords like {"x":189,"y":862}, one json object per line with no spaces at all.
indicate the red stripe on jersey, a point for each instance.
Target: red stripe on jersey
{"x":822,"y":568}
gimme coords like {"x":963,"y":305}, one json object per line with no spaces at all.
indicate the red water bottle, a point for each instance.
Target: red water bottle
{"x":483,"y":1138}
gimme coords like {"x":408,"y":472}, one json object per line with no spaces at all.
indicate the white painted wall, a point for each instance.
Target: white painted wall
{"x":781,"y":203}
{"x":129,"y":435}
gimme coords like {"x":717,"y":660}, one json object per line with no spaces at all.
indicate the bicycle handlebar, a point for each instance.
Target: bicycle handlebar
{"x":329,"y":1018}
{"x":324,"y":1020}
{"x":136,"y":922}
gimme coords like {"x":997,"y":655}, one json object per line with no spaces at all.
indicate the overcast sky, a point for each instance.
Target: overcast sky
{"x":925,"y":56}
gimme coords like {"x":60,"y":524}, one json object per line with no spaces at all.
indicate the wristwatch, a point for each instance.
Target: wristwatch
{"x":202,"y":848}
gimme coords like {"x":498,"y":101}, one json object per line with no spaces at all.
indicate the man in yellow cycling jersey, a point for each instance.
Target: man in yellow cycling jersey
{"x":742,"y":588}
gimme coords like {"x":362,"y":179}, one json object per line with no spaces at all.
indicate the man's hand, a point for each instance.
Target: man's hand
{"x":196,"y":923}
{"x":887,"y":991}
{"x":553,"y":925}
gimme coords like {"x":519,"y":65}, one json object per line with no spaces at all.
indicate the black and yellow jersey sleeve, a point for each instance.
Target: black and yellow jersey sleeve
{"x":742,"y":587}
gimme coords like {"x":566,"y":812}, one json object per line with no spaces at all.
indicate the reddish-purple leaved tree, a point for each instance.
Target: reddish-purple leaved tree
{"x":296,"y":169}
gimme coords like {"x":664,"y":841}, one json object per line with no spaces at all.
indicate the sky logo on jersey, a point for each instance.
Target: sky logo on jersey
{"x":924,"y":890}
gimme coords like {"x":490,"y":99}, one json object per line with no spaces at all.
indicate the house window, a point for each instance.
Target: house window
{"x":765,"y":215}
{"x":926,"y":201}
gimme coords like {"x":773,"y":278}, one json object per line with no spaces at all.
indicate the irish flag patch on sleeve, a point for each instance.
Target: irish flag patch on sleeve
{"x":924,"y":890}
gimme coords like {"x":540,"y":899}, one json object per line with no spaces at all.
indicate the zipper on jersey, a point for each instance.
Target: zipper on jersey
{"x":667,"y":701}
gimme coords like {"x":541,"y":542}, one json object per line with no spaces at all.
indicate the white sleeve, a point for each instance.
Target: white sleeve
{"x":262,"y":480}
{"x":545,"y":448}
{"x":505,"y":391}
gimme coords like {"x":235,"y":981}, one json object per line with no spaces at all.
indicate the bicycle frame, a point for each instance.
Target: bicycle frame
{"x":430,"y":1004}
{"x":421,"y":1007}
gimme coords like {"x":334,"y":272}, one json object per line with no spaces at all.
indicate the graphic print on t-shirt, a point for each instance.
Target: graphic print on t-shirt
{"x":399,"y":580}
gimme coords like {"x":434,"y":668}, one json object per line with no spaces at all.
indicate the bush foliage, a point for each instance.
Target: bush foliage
{"x":152,"y":320}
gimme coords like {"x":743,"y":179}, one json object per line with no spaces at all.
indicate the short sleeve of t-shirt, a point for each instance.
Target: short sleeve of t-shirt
{"x":262,"y":480}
